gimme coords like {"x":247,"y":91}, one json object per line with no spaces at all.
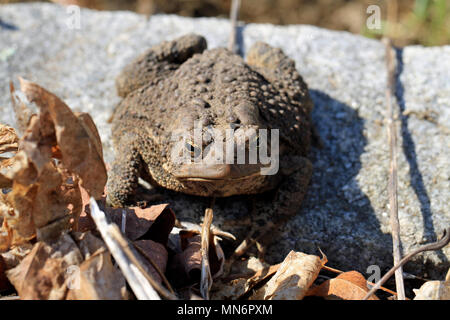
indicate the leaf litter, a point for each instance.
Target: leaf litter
{"x":57,"y":242}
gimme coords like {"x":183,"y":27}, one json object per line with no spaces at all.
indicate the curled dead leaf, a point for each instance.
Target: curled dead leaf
{"x":75,"y":137}
{"x":293,"y":278}
{"x":187,"y":262}
{"x":152,"y":223}
{"x":4,"y":181}
{"x":45,"y":193}
{"x":248,"y":275}
{"x":16,"y":254}
{"x":9,"y":142}
{"x":4,"y":283}
{"x":157,"y":253}
{"x":347,"y":286}
{"x":97,"y":278}
{"x":23,"y":111}
{"x":434,"y":290}
{"x":43,"y":273}
{"x":53,"y":198}
{"x":230,"y":290}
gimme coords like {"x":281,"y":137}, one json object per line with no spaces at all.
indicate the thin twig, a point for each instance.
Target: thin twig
{"x":428,"y":247}
{"x":234,"y":12}
{"x":206,"y":278}
{"x":392,"y":184}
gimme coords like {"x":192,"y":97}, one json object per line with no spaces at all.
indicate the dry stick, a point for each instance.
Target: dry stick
{"x":392,"y":184}
{"x":206,"y":278}
{"x":234,"y":12}
{"x":428,"y":247}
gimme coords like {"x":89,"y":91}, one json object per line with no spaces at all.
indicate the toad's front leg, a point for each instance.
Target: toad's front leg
{"x":124,"y":174}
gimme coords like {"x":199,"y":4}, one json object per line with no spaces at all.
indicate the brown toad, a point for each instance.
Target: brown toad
{"x":178,"y":86}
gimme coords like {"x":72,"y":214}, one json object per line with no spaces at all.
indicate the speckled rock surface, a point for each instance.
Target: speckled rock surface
{"x":346,"y":209}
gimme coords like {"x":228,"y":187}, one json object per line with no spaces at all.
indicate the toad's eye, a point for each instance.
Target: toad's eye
{"x":192,"y":149}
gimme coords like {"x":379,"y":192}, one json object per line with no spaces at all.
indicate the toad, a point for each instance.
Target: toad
{"x":178,"y":91}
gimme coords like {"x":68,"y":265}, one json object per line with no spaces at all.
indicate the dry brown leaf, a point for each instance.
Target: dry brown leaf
{"x":247,"y":275}
{"x":15,"y":255}
{"x":43,"y":273}
{"x":4,"y":181}
{"x":186,"y":265}
{"x":88,"y":244}
{"x":99,"y":280}
{"x":157,"y":253}
{"x":84,"y":221}
{"x":43,"y":207}
{"x":230,"y":290}
{"x":434,"y":290}
{"x":4,"y":283}
{"x":23,"y":112}
{"x":37,"y":143}
{"x":17,"y":206}
{"x":8,"y":139}
{"x":191,"y":244}
{"x":75,"y":138}
{"x":293,"y":278}
{"x":347,"y":286}
{"x":262,"y":275}
{"x":191,"y":258}
{"x":57,"y":271}
{"x":5,"y":165}
{"x":239,"y":282}
{"x":256,"y":281}
{"x":45,"y":196}
{"x":152,"y":223}
{"x":21,"y":169}
{"x":5,"y":237}
{"x":89,"y":125}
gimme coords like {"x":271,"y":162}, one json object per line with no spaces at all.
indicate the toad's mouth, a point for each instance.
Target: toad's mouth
{"x":217,"y":172}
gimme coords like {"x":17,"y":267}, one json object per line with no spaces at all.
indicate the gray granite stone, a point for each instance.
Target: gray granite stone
{"x":346,"y":209}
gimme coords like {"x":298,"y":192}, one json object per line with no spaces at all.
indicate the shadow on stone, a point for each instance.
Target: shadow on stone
{"x":336,"y":215}
{"x":240,"y":39}
{"x":7,"y":26}
{"x":409,"y":150}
